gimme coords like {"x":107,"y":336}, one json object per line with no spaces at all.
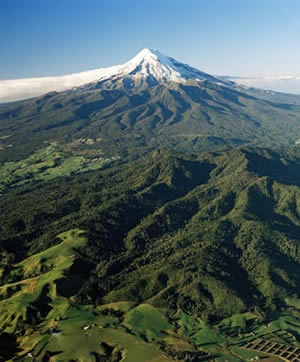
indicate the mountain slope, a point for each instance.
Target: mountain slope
{"x":150,"y":102}
{"x":121,"y":122}
{"x":187,"y":232}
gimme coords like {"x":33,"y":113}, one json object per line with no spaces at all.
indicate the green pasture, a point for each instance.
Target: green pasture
{"x":36,"y":290}
{"x":46,"y":164}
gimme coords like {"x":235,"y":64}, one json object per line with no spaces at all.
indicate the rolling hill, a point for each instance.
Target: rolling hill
{"x":210,"y":235}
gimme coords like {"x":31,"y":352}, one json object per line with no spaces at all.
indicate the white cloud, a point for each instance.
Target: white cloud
{"x":286,"y":83}
{"x":16,"y":89}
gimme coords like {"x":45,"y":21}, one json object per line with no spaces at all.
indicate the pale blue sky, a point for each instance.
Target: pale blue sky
{"x":236,"y":37}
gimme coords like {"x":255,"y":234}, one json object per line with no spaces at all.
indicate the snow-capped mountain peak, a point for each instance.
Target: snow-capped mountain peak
{"x":149,"y":55}
{"x":151,"y":66}
{"x":150,"y":62}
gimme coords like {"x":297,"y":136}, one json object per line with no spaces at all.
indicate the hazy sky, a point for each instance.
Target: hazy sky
{"x":237,"y":37}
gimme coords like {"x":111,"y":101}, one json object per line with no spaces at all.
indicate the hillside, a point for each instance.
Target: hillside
{"x":210,"y":235}
{"x":119,"y":236}
{"x":152,"y":101}
{"x":235,"y":208}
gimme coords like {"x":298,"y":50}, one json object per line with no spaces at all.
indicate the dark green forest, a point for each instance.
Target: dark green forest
{"x":188,"y":231}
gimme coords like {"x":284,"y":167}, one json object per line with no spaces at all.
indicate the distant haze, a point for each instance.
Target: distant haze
{"x":285,"y":84}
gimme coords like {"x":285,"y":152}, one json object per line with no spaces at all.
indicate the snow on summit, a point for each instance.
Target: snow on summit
{"x":152,"y":63}
{"x":147,"y":68}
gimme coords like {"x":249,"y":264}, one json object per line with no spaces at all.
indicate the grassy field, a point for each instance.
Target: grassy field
{"x":34,"y":292}
{"x":126,"y":332}
{"x":121,"y":331}
{"x":132,"y":346}
{"x":46,"y":164}
{"x":148,"y":321}
{"x":116,"y":330}
{"x":293,"y":302}
{"x":103,"y":338}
